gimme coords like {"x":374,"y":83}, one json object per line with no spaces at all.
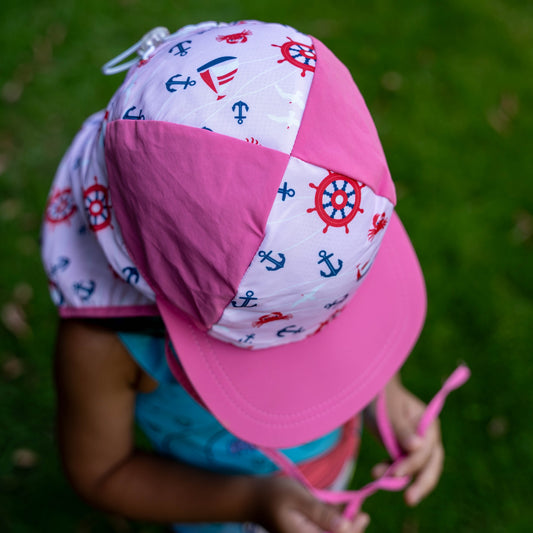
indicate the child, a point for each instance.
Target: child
{"x":230,"y":274}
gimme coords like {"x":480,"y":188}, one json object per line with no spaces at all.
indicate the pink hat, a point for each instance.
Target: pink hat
{"x":248,"y":187}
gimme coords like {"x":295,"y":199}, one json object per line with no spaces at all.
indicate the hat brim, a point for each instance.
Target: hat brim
{"x":291,"y":394}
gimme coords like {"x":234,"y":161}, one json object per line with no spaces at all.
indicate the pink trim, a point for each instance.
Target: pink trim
{"x":457,"y":379}
{"x":179,"y":374}
{"x":192,"y":206}
{"x":337,"y":132}
{"x":108,"y":312}
{"x":385,"y":427}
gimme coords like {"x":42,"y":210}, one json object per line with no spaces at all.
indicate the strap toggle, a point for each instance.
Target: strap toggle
{"x":142,"y":49}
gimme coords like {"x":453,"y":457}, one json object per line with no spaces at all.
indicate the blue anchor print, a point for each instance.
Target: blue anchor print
{"x":128,"y":115}
{"x":206,"y":128}
{"x":326,"y":259}
{"x":240,"y":117}
{"x":336,"y":302}
{"x":174,"y":81}
{"x":82,"y":230}
{"x":289,"y":329}
{"x":132,"y":275}
{"x":62,"y":264}
{"x":280,"y":263}
{"x":182,"y":50}
{"x":285,"y":191}
{"x":182,"y":421}
{"x":248,"y":339}
{"x":84,"y":290}
{"x":247,"y":299}
{"x":154,"y":428}
{"x":238,"y":446}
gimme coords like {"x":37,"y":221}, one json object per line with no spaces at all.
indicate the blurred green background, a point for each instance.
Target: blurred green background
{"x":450,"y":87}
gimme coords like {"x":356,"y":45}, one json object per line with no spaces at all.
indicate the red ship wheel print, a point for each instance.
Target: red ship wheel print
{"x":337,"y":200}
{"x":298,"y":54}
{"x":60,"y":206}
{"x":97,"y":205}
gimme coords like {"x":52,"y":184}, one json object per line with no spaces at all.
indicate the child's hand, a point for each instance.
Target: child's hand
{"x":424,"y":455}
{"x":285,"y":506}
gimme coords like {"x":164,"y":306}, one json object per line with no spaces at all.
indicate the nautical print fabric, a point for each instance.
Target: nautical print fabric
{"x":89,"y":271}
{"x":322,"y":236}
{"x":249,"y":81}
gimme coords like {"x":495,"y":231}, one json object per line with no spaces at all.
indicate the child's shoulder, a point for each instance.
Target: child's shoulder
{"x":88,"y":348}
{"x":89,"y":353}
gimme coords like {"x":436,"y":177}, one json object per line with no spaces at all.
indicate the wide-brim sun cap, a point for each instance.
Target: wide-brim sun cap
{"x":249,"y":191}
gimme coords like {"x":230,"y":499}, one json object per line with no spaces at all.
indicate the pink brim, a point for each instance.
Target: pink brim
{"x":285,"y":396}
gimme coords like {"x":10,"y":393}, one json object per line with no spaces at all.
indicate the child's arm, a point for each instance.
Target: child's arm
{"x":425,"y":455}
{"x":97,"y":382}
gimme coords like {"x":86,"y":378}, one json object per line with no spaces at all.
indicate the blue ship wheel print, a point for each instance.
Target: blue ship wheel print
{"x":97,"y":205}
{"x":298,"y":54}
{"x":337,"y":200}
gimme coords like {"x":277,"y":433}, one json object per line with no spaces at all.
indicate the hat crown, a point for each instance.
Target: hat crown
{"x":263,"y":220}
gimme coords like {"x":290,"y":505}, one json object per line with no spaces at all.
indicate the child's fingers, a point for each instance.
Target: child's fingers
{"x":420,"y":455}
{"x":326,"y":519}
{"x":428,"y":478}
{"x":360,"y":523}
{"x":357,"y":526}
{"x":379,"y":469}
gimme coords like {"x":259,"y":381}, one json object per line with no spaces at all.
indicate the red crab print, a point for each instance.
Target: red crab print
{"x":235,"y":38}
{"x":271,"y":317}
{"x":378,"y":223}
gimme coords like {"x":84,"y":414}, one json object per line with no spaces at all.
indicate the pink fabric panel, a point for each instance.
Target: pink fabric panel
{"x":192,"y":206}
{"x":337,"y":132}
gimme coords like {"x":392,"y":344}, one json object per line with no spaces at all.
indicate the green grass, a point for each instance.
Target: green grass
{"x":449,"y":85}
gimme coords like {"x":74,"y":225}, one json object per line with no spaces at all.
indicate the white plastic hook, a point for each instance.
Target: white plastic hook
{"x":142,"y":49}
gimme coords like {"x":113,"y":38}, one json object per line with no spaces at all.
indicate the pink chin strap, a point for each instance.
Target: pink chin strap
{"x":388,"y":481}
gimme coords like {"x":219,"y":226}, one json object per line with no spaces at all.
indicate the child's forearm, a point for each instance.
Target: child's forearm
{"x":96,"y":402}
{"x":151,"y":488}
